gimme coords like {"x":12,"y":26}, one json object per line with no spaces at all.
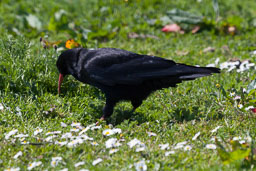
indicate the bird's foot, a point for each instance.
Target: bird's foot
{"x":101,"y":119}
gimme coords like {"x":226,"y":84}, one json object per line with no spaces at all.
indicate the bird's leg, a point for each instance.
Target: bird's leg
{"x":136,"y":104}
{"x":107,"y":110}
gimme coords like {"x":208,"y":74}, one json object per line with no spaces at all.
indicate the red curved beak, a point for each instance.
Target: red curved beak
{"x":60,"y":82}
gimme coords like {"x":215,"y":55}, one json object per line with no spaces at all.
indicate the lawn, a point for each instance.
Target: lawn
{"x":206,"y":124}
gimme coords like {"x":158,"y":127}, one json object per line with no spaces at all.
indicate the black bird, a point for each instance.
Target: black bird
{"x":124,"y":75}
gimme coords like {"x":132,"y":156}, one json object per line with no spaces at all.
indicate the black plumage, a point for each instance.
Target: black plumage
{"x":124,"y":75}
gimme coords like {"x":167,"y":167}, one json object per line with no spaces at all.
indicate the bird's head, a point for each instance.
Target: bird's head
{"x":67,"y":63}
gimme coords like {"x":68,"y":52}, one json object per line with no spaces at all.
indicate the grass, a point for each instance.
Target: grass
{"x":28,"y":87}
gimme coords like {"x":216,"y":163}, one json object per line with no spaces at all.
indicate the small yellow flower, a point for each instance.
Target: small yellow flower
{"x":121,"y":135}
{"x":71,"y":44}
{"x":218,"y":85}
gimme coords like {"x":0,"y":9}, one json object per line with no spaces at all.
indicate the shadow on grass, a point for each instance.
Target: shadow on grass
{"x":184,"y":114}
{"x":122,"y":115}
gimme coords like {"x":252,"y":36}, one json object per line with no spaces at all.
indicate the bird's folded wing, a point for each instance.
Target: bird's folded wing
{"x":137,"y":70}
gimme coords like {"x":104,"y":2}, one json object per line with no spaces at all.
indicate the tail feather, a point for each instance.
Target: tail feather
{"x":192,"y":72}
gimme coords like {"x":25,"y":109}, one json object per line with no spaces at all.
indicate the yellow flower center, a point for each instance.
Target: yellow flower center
{"x":107,"y":133}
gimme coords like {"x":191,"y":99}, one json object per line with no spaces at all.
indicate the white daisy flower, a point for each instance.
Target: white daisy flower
{"x":113,"y":151}
{"x":66,"y":135}
{"x":237,"y":97}
{"x":55,"y":161}
{"x":112,"y":142}
{"x":34,"y":164}
{"x":134,"y":142}
{"x":94,"y":143}
{"x":232,"y":94}
{"x":140,"y":166}
{"x":18,"y":111}
{"x":151,"y":134}
{"x":65,"y":169}
{"x":17,"y":155}
{"x":216,"y":129}
{"x":187,"y":148}
{"x":24,"y":142}
{"x":196,"y":136}
{"x":83,"y":170}
{"x":79,"y":164}
{"x":21,"y":136}
{"x":53,"y":133}
{"x":97,"y":161}
{"x":37,"y":131}
{"x":61,"y":143}
{"x":242,"y":141}
{"x":84,"y":130}
{"x":164,"y":146}
{"x":117,"y":130}
{"x":1,"y":106}
{"x":211,"y":146}
{"x":85,"y":137}
{"x":50,"y":138}
{"x":62,"y":124}
{"x":96,"y":127}
{"x":108,"y":132}
{"x":75,"y":124}
{"x":9,"y":134}
{"x":240,"y":106}
{"x":248,"y":138}
{"x":180,"y":145}
{"x":73,"y":143}
{"x":237,"y":138}
{"x":74,"y":130}
{"x":139,"y":149}
{"x":12,"y":169}
{"x":167,"y":153}
{"x":248,"y":108}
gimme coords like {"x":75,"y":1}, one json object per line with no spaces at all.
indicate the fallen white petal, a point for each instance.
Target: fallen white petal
{"x":34,"y":164}
{"x":75,"y":124}
{"x":1,"y":106}
{"x":113,"y":151}
{"x":96,"y":127}
{"x":37,"y":131}
{"x":21,"y":136}
{"x":216,"y":129}
{"x":13,"y":169}
{"x":211,"y":146}
{"x":97,"y":161}
{"x":17,"y":155}
{"x":140,"y":149}
{"x":53,"y":133}
{"x":167,"y":153}
{"x":151,"y":134}
{"x":62,"y":124}
{"x":140,"y":166}
{"x":134,"y":142}
{"x":12,"y":132}
{"x":164,"y":146}
{"x":79,"y":164}
{"x":196,"y":136}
